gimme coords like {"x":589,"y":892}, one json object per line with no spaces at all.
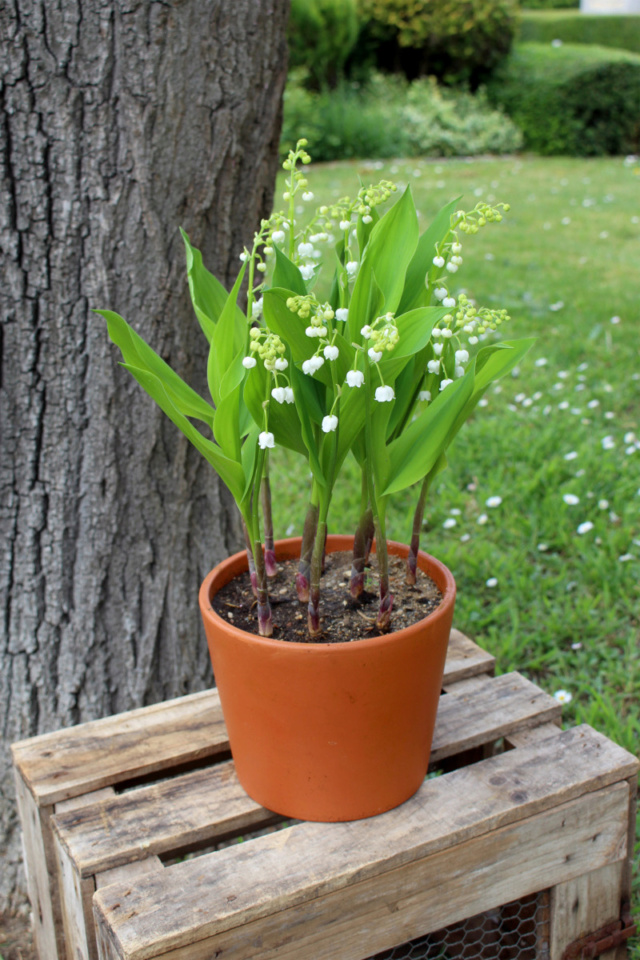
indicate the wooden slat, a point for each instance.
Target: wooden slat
{"x":129,"y":872}
{"x":71,"y":762}
{"x":582,"y":905}
{"x":242,"y":883}
{"x":41,"y":873}
{"x":495,"y":707}
{"x":76,"y":911}
{"x":204,"y":805}
{"x":195,"y":808}
{"x":378,"y":912}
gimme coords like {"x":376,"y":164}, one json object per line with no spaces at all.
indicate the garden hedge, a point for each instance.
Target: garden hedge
{"x":543,"y":26}
{"x":576,"y":100}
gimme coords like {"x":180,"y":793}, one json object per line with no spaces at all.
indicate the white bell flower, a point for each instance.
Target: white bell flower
{"x":355,"y":378}
{"x":266,"y":440}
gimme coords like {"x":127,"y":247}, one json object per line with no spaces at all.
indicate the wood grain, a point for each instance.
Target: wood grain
{"x":378,"y":912}
{"x":277,"y":872}
{"x":583,"y":904}
{"x":204,"y":805}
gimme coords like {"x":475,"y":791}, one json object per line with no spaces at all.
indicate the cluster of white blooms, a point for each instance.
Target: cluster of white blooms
{"x":318,"y":314}
{"x":269,"y":348}
{"x":283,"y":395}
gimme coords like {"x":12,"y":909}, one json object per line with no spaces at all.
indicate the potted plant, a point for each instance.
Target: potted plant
{"x":385,"y":368}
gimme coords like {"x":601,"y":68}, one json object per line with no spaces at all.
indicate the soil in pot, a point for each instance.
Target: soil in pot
{"x":343,"y":619}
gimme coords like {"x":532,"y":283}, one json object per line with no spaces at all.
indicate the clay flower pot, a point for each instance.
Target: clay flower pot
{"x":330,"y":731}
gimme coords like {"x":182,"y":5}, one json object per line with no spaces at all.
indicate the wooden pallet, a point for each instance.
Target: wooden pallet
{"x":549,"y":813}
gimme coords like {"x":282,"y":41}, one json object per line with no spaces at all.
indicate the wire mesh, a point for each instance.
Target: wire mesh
{"x":514,"y":931}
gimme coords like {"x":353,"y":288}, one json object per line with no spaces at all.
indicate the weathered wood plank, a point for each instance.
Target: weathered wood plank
{"x":375,"y":913}
{"x":70,"y":762}
{"x":129,"y":872}
{"x":493,"y":708}
{"x":84,"y":800}
{"x":584,"y":904}
{"x":76,"y":899}
{"x":195,"y":808}
{"x":276,"y":872}
{"x":41,"y":872}
{"x":204,"y":805}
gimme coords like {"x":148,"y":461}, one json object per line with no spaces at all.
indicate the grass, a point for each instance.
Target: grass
{"x":566,"y":608}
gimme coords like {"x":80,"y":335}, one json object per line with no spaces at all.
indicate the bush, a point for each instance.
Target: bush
{"x":572,"y":99}
{"x":321,"y":35}
{"x":622,"y":32}
{"x":551,"y":4}
{"x":458,"y":41}
{"x":389,"y":118}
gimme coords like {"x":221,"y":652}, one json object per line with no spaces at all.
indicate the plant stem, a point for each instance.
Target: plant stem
{"x":313,"y":615}
{"x":265,"y":495}
{"x":252,"y":567}
{"x":418,"y":517}
{"x":383,"y":620}
{"x":265,"y":623}
{"x":303,"y":576}
{"x":356,"y":583}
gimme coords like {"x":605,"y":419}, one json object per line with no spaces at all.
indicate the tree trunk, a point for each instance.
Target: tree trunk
{"x":120,"y":121}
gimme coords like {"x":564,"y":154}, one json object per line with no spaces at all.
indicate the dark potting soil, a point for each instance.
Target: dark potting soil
{"x":342,"y":618}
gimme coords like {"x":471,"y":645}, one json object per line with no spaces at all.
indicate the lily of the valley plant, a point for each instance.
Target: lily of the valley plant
{"x":386,"y":369}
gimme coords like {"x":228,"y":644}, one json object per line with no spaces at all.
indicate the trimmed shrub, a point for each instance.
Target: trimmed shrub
{"x":552,"y":4}
{"x":321,"y":35}
{"x":458,"y":41}
{"x":389,"y":118}
{"x":576,"y":100}
{"x":543,"y":26}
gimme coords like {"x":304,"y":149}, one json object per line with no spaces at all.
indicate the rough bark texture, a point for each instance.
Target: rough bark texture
{"x":119,"y":121}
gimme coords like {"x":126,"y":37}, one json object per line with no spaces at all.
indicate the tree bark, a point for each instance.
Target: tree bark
{"x":120,"y":120}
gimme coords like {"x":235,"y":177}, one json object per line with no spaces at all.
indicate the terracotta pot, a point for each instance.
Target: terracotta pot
{"x":330,"y":731}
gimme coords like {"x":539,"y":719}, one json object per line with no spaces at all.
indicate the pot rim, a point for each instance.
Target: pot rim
{"x":237,"y":564}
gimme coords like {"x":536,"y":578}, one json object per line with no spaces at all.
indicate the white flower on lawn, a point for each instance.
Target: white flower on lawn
{"x":433,"y":366}
{"x":462,"y":356}
{"x":608,"y":443}
{"x":563,"y":696}
{"x":351,"y":268}
{"x":572,"y":455}
{"x":279,"y":394}
{"x":449,"y":523}
{"x":571,"y":499}
{"x":493,"y":501}
{"x":281,"y":363}
{"x":331,"y":352}
{"x":375,"y":355}
{"x":438,"y":348}
{"x":385,"y":394}
{"x":307,"y":270}
{"x":278,"y":236}
{"x":492,"y":582}
{"x":424,"y":395}
{"x":445,"y":383}
{"x":449,"y":302}
{"x":585,"y":527}
{"x":438,"y":261}
{"x":266,"y":440}
{"x":355,"y":378}
{"x":342,"y":314}
{"x":482,"y":519}
{"x":312,"y":364}
{"x":249,"y":362}
{"x":625,"y":557}
{"x":330,"y":423}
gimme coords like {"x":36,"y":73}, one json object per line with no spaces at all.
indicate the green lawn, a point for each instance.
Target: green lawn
{"x":566,"y":607}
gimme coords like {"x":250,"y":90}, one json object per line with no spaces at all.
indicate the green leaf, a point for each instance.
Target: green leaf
{"x":492,"y":363}
{"x":229,"y":471}
{"x":228,"y":339}
{"x":287,"y":275}
{"x":415,"y":292}
{"x":363,"y":230}
{"x":415,"y":451}
{"x":391,"y":247}
{"x":208,"y":295}
{"x":366,"y":301}
{"x":304,"y":390}
{"x":291,"y":328}
{"x":226,"y":424}
{"x":138,"y":354}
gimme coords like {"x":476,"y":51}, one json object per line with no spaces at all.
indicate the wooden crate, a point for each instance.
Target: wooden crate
{"x":552,"y":812}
